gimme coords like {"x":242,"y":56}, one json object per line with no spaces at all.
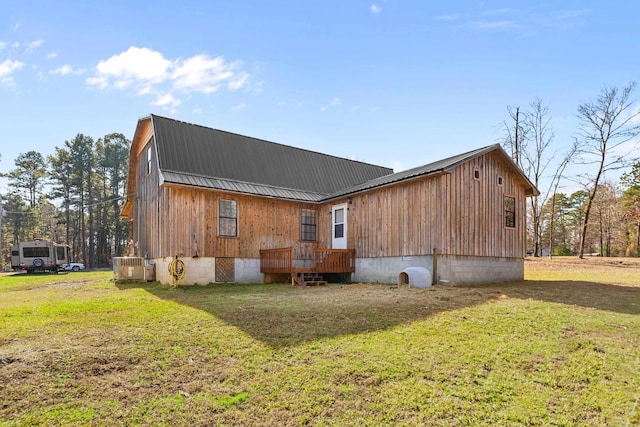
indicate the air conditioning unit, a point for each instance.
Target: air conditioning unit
{"x":129,"y":268}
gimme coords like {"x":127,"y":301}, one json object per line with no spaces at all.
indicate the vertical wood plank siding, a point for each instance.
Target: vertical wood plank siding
{"x":453,"y":212}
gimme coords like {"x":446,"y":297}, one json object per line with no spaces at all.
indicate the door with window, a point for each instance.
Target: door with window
{"x":339,"y":226}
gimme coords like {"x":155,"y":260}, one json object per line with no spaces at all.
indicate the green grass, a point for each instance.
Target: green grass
{"x":78,"y":349}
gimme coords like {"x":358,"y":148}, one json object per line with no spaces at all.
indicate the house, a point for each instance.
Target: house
{"x":240,"y":209}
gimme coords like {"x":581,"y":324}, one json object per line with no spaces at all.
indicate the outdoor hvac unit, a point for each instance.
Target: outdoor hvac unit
{"x":129,"y":268}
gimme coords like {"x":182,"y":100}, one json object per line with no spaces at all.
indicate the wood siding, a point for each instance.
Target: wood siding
{"x":454,"y":212}
{"x":183,"y":221}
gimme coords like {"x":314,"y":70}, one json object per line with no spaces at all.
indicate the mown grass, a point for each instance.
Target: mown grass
{"x":557,"y":349}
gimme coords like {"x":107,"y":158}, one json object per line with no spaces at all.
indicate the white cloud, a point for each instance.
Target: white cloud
{"x":63,"y":71}
{"x":204,"y":74}
{"x":166,"y":100}
{"x":147,"y":72}
{"x":15,"y":45}
{"x":375,"y":9}
{"x":2,"y":44}
{"x":239,"y":107}
{"x":6,"y":69}
{"x":52,"y":55}
{"x":136,"y":66}
{"x":34,"y":44}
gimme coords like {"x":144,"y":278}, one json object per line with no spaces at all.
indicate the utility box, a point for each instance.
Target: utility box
{"x":129,"y":268}
{"x":149,"y":272}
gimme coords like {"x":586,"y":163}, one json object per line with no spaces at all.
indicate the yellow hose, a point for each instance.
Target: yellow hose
{"x":177,"y":270}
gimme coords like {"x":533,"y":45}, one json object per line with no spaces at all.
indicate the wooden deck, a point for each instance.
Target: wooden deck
{"x":324,"y":261}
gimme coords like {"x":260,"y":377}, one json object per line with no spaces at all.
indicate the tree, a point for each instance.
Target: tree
{"x":531,"y":141}
{"x":606,"y":123}
{"x":29,"y":175}
{"x":631,"y":206}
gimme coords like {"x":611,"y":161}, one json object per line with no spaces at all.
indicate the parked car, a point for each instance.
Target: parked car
{"x":73,"y":266}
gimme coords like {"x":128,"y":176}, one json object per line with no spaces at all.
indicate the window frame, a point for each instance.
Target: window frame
{"x":509,"y":214}
{"x":222,"y":217}
{"x":305,"y":227}
{"x":149,"y":157}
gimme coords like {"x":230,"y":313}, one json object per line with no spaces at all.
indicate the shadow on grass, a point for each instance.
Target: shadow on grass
{"x":281,"y":315}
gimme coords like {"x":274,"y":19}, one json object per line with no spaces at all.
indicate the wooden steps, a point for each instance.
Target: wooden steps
{"x":306,"y":278}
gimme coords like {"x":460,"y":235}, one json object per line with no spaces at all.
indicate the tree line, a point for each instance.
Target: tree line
{"x":601,"y":216}
{"x":73,"y":196}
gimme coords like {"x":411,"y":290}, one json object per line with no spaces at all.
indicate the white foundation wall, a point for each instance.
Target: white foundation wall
{"x":464,"y":270}
{"x":202,"y":270}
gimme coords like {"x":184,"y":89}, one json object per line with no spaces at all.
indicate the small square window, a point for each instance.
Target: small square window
{"x":476,"y":174}
{"x":500,"y":180}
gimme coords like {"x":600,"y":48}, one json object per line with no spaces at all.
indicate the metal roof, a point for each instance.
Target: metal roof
{"x":428,"y":169}
{"x":199,"y":156}
{"x":219,"y":159}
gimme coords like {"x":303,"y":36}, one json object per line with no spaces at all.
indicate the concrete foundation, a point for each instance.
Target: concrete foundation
{"x":464,"y":270}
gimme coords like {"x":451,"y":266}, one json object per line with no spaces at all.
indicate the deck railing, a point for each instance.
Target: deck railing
{"x":334,"y":260}
{"x":276,"y":260}
{"x":324,"y":260}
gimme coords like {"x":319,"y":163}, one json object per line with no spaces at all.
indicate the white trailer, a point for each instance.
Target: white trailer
{"x":39,"y":256}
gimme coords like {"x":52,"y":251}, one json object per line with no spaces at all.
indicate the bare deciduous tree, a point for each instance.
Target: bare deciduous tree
{"x":606,"y":125}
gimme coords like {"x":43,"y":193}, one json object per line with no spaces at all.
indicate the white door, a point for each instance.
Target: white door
{"x":339,"y":226}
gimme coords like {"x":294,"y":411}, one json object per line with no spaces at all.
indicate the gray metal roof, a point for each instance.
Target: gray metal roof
{"x":199,"y":156}
{"x":219,"y":159}
{"x":428,"y":169}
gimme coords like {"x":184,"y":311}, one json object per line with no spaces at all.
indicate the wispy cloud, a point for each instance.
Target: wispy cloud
{"x":52,"y":55}
{"x":375,"y":9}
{"x":34,"y":44}
{"x":335,"y":102}
{"x":239,"y":107}
{"x":166,"y":100}
{"x":528,"y":21}
{"x":6,"y":70}
{"x":2,"y":44}
{"x":66,"y":70}
{"x":144,"y":71}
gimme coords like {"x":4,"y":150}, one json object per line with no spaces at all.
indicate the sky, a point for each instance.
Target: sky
{"x":397,"y":83}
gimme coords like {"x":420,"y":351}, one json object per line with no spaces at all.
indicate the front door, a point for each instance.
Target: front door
{"x":339,"y":226}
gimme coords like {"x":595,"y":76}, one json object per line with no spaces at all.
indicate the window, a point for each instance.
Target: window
{"x":149,"y":159}
{"x":35,"y":252}
{"x":476,"y":174}
{"x":338,"y":224}
{"x":509,"y":211}
{"x":228,"y":218}
{"x":308,"y":225}
{"x":499,"y":180}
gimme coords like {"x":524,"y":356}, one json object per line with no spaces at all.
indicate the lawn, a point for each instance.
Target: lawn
{"x":560,"y":348}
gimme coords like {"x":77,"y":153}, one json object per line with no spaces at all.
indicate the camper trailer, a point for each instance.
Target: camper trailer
{"x":39,"y":256}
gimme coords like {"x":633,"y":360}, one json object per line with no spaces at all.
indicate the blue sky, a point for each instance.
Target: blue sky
{"x":392,"y":82}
